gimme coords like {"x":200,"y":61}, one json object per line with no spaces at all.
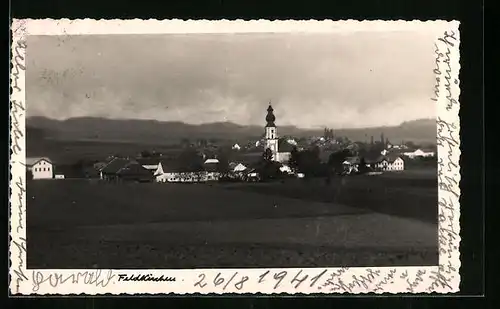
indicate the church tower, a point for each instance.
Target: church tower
{"x":271,"y":133}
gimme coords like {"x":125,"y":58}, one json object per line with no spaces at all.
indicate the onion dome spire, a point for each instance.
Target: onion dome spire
{"x":270,"y":118}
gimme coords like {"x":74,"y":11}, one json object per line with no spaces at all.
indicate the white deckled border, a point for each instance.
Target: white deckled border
{"x":444,"y":278}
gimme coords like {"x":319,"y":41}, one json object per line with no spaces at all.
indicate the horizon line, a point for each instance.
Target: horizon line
{"x":226,"y":122}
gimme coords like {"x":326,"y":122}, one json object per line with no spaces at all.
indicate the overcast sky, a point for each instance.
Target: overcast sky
{"x":338,"y":80}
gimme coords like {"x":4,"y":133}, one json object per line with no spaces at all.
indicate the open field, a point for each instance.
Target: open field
{"x":81,"y":224}
{"x":410,"y":194}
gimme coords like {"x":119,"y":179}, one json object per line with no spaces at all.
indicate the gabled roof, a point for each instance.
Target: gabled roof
{"x":133,"y":169}
{"x":114,"y":165}
{"x":240,"y":166}
{"x":211,"y":161}
{"x":391,"y":157}
{"x":34,"y":160}
{"x":172,"y":166}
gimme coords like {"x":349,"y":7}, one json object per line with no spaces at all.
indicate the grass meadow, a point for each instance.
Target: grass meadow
{"x":358,"y":221}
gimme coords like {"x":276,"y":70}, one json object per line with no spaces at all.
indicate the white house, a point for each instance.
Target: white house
{"x":236,"y":147}
{"x":395,"y":164}
{"x":351,"y":164}
{"x":419,"y":153}
{"x":291,"y":141}
{"x":169,"y":173}
{"x":286,"y":169}
{"x":386,"y":163}
{"x":40,"y":167}
{"x":211,"y":161}
{"x":239,"y":168}
{"x":151,"y":164}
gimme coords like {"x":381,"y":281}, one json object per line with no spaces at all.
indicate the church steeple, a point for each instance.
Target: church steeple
{"x":272,"y":133}
{"x":270,"y":118}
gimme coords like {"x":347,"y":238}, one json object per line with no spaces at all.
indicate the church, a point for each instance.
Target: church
{"x":280,"y":148}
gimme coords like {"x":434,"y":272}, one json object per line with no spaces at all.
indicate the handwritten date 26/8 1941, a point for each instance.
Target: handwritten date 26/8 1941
{"x":277,"y":279}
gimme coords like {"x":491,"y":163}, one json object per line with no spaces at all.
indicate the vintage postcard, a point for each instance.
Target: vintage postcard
{"x":210,"y":157}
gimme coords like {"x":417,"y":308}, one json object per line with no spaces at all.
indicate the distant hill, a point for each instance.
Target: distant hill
{"x":156,"y":132}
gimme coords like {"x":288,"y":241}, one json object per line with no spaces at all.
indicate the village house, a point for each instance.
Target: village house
{"x":419,"y":153}
{"x":151,"y":164}
{"x":120,"y":169}
{"x":237,"y":167}
{"x":109,"y":170}
{"x":284,"y":168}
{"x":134,"y":171}
{"x":211,"y":161}
{"x":292,"y":141}
{"x":40,"y":167}
{"x":240,"y":167}
{"x":171,"y":171}
{"x":395,"y":163}
{"x":236,"y":147}
{"x":351,"y":164}
{"x":211,"y":167}
{"x":386,"y":163}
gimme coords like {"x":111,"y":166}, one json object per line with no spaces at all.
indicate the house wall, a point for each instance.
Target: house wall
{"x":283,"y":157}
{"x":397,"y":165}
{"x":187,"y":177}
{"x":42,"y":170}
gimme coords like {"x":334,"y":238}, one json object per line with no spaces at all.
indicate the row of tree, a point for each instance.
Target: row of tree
{"x":307,"y":162}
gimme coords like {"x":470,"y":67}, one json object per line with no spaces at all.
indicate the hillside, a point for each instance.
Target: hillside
{"x":155,"y":132}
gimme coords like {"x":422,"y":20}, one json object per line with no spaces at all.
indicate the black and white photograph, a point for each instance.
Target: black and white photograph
{"x":244,"y":150}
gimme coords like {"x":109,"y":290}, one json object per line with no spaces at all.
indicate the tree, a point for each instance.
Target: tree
{"x":146,"y":154}
{"x":267,"y":155}
{"x":411,"y":145}
{"x":328,"y":134}
{"x":336,"y":160}
{"x":293,"y":162}
{"x":309,"y":162}
{"x":223,"y":165}
{"x":29,"y":175}
{"x":191,"y":161}
{"x":363,"y":168}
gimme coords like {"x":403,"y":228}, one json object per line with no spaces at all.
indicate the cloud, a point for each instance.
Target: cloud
{"x":338,"y":80}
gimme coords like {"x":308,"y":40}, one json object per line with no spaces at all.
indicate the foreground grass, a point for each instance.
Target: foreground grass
{"x":128,"y":255}
{"x":56,"y":209}
{"x":399,"y":194}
